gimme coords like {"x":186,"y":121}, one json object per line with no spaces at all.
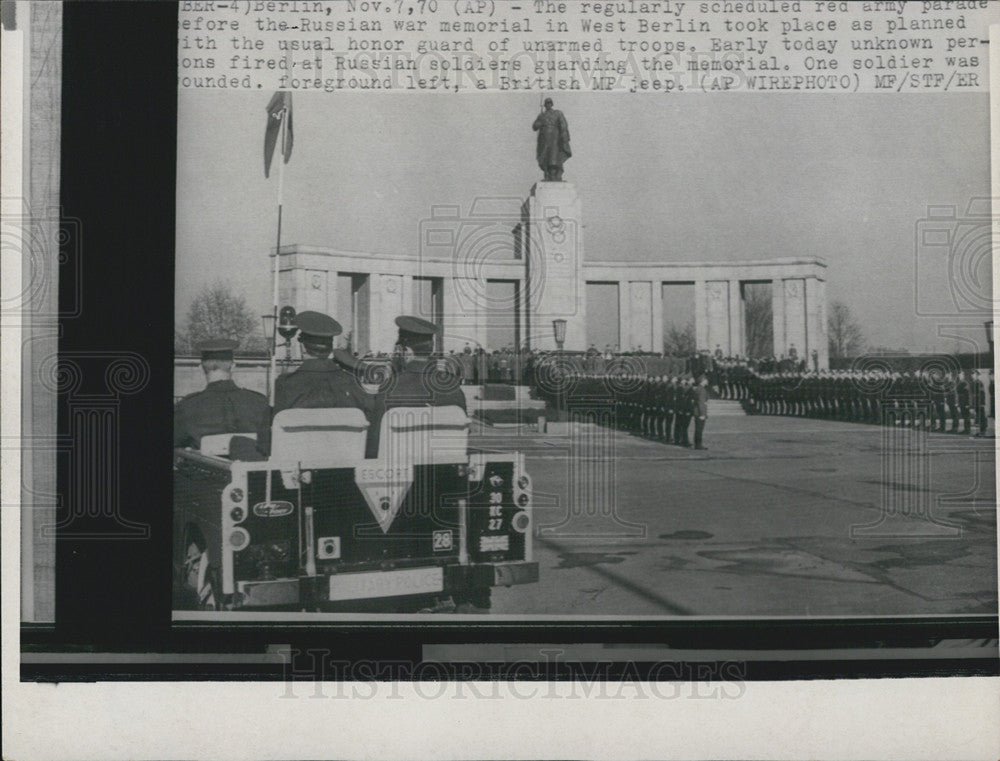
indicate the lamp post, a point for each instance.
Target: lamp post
{"x":285,"y":327}
{"x":559,"y":328}
{"x":268,"y":321}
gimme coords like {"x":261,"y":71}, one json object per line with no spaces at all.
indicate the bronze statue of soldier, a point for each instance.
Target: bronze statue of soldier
{"x":553,"y":142}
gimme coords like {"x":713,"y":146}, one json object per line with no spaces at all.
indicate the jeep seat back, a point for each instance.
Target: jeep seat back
{"x":336,"y":435}
{"x":424,"y":436}
{"x":217,"y":444}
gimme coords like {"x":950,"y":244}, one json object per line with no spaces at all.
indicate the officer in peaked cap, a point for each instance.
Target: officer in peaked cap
{"x":319,"y":382}
{"x":417,"y":334}
{"x":420,"y":382}
{"x":223,"y":407}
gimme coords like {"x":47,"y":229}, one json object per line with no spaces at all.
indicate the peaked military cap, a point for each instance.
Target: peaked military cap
{"x":317,"y":326}
{"x":217,"y":348}
{"x":417,"y":325}
{"x":416,"y":333}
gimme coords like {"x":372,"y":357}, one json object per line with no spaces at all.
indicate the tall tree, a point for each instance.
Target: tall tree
{"x":218,"y":312}
{"x":759,"y":320}
{"x":846,"y":338}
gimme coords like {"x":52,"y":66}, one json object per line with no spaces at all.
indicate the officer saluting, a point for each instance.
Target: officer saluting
{"x":418,"y":384}
{"x":223,"y":407}
{"x":318,"y":382}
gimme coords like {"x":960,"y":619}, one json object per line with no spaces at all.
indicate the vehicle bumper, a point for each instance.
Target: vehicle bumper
{"x":505,"y":574}
{"x":455,"y":578}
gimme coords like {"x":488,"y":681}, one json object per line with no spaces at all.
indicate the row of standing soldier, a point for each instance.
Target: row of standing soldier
{"x":951,"y":402}
{"x":660,"y":406}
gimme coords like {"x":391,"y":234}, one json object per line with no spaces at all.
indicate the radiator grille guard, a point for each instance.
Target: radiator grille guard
{"x":426,"y":528}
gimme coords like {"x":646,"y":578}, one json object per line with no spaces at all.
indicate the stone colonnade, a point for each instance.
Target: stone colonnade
{"x":309,"y":275}
{"x":798,"y":299}
{"x":798,"y":302}
{"x":536,"y":252}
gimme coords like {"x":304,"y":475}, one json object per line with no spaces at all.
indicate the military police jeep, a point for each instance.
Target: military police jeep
{"x":424,"y":526}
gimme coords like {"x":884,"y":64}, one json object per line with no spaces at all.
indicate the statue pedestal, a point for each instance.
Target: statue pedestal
{"x":553,"y":248}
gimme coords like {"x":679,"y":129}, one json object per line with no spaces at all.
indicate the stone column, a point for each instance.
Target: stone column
{"x":778,"y":316}
{"x":463,"y":299}
{"x":386,"y":303}
{"x":291,"y":281}
{"x":407,"y":305}
{"x":718,"y":315}
{"x":640,"y":314}
{"x":554,"y":264}
{"x":816,"y":329}
{"x":700,"y":315}
{"x":795,"y":316}
{"x":624,"y":316}
{"x":737,"y":331}
{"x":306,"y":288}
{"x":317,"y":291}
{"x":454,"y":330}
{"x":657,"y":316}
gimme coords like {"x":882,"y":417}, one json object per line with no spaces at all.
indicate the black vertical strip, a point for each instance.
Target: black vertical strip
{"x":118,"y":164}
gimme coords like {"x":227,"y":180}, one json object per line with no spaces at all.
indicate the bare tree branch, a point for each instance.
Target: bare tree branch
{"x":846,"y":338}
{"x":218,"y":312}
{"x":679,"y":341}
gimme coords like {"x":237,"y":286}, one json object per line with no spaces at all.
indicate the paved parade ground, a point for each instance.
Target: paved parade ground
{"x":782,"y":516}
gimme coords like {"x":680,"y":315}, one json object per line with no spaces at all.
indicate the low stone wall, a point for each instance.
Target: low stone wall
{"x":248,"y":373}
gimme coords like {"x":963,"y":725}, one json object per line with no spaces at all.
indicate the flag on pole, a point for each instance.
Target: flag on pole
{"x":278,"y":109}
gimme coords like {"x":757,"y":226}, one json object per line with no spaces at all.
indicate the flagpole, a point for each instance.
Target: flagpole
{"x":277,"y":257}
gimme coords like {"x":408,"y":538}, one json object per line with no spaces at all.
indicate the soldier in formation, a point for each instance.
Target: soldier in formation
{"x":658,"y":407}
{"x":662,"y":407}
{"x":731,"y":376}
{"x":945,"y":402}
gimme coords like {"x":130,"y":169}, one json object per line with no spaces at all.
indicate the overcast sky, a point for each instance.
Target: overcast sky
{"x":661,"y":178}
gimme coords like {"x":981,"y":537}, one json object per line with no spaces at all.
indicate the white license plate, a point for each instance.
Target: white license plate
{"x":411,"y":581}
